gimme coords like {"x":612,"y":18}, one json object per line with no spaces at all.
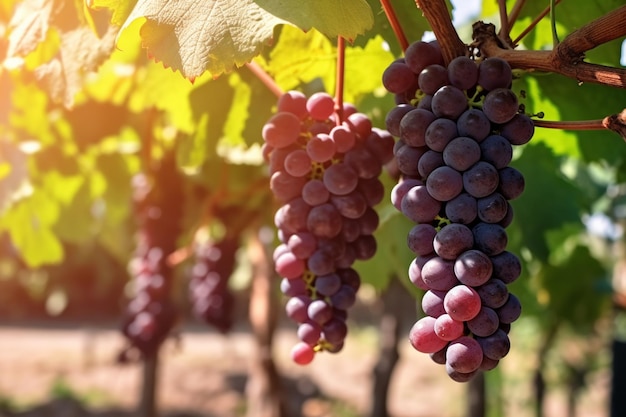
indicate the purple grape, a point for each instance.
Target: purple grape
{"x":461,"y":153}
{"x":474,"y":124}
{"x":485,"y":323}
{"x":444,"y":183}
{"x":452,"y":240}
{"x":496,"y":150}
{"x":490,"y":238}
{"x":473,"y":268}
{"x":519,"y":130}
{"x":463,"y":72}
{"x":438,"y":274}
{"x":439,"y":133}
{"x":432,"y":78}
{"x":420,"y":239}
{"x":494,"y":73}
{"x":413,"y":127}
{"x":506,"y":267}
{"x":449,"y":102}
{"x":398,"y":78}
{"x":480,"y":180}
{"x":511,"y":183}
{"x":493,"y":293}
{"x":462,"y":209}
{"x":500,"y":105}
{"x":419,"y":206}
{"x":493,"y":208}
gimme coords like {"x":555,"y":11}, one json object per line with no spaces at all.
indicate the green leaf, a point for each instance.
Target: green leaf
{"x":571,"y":290}
{"x":121,"y":8}
{"x":549,"y":201}
{"x":14,"y":177}
{"x":29,"y":224}
{"x":219,"y":35}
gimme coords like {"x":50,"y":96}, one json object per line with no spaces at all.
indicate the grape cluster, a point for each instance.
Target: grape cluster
{"x":324,"y":170}
{"x":456,"y":127}
{"x":211,"y":298}
{"x":151,"y":314}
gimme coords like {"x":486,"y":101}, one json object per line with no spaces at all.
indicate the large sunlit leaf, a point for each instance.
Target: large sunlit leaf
{"x":218,"y":35}
{"x":28,"y":27}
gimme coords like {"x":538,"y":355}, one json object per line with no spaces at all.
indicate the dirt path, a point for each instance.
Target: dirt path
{"x":207,"y":373}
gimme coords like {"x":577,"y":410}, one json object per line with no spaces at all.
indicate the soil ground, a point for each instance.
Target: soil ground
{"x":205,"y":375}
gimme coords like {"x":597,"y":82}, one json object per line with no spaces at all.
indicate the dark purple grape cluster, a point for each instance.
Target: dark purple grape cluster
{"x":324,"y":170}
{"x":151,"y":314}
{"x":456,"y":127}
{"x":212,"y":300}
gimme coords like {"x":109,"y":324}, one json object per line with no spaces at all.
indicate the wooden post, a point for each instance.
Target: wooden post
{"x":147,"y":405}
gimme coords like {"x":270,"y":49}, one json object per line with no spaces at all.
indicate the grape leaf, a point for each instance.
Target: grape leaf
{"x":81,"y":52}
{"x":196,"y":36}
{"x":28,"y":27}
{"x":121,"y":8}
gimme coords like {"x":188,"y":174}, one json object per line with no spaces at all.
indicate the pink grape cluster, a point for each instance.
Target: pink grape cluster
{"x":456,"y":127}
{"x":324,"y":170}
{"x":211,"y":299}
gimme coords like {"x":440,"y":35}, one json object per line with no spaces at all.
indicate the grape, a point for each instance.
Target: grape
{"x":293,"y":287}
{"x":493,"y":293}
{"x":324,"y":170}
{"x":489,"y":238}
{"x":462,"y":209}
{"x":363,"y":162}
{"x":343,"y":138}
{"x":494,"y":73}
{"x":314,"y":192}
{"x":302,"y":353}
{"x":340,"y":179}
{"x":463,"y":72}
{"x":293,"y":102}
{"x":324,"y":221}
{"x":320,"y":262}
{"x":420,"y":239}
{"x":510,"y":311}
{"x":462,"y":303}
{"x":485,"y":323}
{"x":420,"y":54}
{"x":297,"y":307}
{"x":320,"y":147}
{"x":493,"y":208}
{"x":444,"y":183}
{"x":432,"y":303}
{"x":380,"y":144}
{"x":456,"y":132}
{"x":447,"y":328}
{"x":364,"y":247}
{"x":461,"y":153}
{"x":439,"y":133}
{"x":449,"y":102}
{"x":360,"y":124}
{"x":481,"y":180}
{"x":369,"y":221}
{"x":400,"y":189}
{"x":430,"y":161}
{"x":413,"y":127}
{"x":506,"y":267}
{"x":288,"y":266}
{"x":327,"y":285}
{"x":309,"y":332}
{"x":344,"y":298}
{"x":419,"y":206}
{"x":496,"y":150}
{"x":286,"y":187}
{"x":398,"y":78}
{"x":281,"y":130}
{"x":519,"y":130}
{"x":320,"y":106}
{"x":351,"y":206}
{"x":474,"y":124}
{"x":415,"y":272}
{"x":452,"y":240}
{"x":500,"y":105}
{"x":395,"y":115}
{"x":511,"y":183}
{"x":464,"y":355}
{"x":335,"y":331}
{"x":432,"y":78}
{"x":423,"y":337}
{"x":473,"y":268}
{"x":438,"y":274}
{"x":495,"y":346}
{"x":372,"y":189}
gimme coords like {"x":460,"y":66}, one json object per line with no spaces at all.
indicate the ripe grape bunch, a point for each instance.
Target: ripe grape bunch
{"x":324,"y":170}
{"x":456,"y":127}
{"x":211,"y":298}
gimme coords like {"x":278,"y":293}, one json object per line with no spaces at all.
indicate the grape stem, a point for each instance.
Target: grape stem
{"x":265,"y":78}
{"x":534,"y":23}
{"x":436,"y":12}
{"x":341,"y":69}
{"x":395,"y":24}
{"x":614,"y":122}
{"x":504,"y":20}
{"x":567,"y":58}
{"x":515,"y":11}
